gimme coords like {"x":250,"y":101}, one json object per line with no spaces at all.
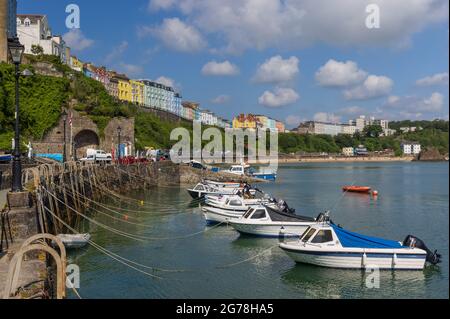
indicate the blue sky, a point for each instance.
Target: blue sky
{"x":293,"y":60}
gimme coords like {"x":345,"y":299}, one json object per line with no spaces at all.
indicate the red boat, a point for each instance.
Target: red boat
{"x":357,"y":189}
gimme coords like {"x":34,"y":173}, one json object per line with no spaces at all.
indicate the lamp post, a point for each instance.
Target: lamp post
{"x":64,"y":115}
{"x":16,"y":51}
{"x":119,"y":130}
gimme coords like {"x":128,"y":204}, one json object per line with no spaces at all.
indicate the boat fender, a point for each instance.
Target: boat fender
{"x":394,"y":260}
{"x":364,"y":260}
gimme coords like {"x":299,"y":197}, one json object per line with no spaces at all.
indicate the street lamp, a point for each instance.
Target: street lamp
{"x":119,"y":130}
{"x":16,"y":51}
{"x":64,"y":115}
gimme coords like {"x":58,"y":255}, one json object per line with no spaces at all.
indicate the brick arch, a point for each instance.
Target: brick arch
{"x":85,"y":139}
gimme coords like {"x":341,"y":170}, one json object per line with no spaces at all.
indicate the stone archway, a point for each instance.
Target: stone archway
{"x":83,"y":140}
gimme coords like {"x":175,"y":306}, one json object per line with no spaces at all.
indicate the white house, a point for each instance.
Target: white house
{"x":348,"y":151}
{"x":34,"y":29}
{"x":411,"y":148}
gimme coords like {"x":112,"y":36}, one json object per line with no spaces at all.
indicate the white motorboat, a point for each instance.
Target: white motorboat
{"x":272,"y":221}
{"x":233,"y":202}
{"x":232,"y":207}
{"x":200,"y":190}
{"x":223,"y":184}
{"x":215,"y":215}
{"x":74,"y":241}
{"x":328,"y":245}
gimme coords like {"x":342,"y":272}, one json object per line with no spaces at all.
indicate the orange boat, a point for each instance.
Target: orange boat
{"x":357,"y":189}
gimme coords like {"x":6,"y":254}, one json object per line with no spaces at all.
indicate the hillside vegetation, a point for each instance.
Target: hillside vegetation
{"x":433,"y":134}
{"x":42,"y":98}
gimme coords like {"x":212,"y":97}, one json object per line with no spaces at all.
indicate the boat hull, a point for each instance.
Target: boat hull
{"x":355,"y":259}
{"x":220,"y":216}
{"x":270,"y":230}
{"x":267,"y":177}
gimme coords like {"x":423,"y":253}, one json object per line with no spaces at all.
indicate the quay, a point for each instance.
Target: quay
{"x":55,"y":201}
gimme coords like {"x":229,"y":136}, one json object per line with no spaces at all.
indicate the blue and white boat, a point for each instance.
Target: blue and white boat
{"x":328,"y":245}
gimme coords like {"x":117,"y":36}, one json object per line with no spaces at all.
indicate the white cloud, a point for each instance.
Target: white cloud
{"x":413,"y":106}
{"x":131,"y":70}
{"x":116,"y":52}
{"x":155,"y":5}
{"x":437,"y":79}
{"x":261,"y":24}
{"x":280,"y":97}
{"x":77,"y":41}
{"x":277,"y":70}
{"x":340,"y":74}
{"x":326,"y":117}
{"x":351,"y":110}
{"x":221,"y":99}
{"x":293,"y":120}
{"x":176,"y":35}
{"x":224,"y":68}
{"x":167,"y":82}
{"x":373,"y":87}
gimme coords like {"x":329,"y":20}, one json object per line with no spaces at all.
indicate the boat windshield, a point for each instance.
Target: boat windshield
{"x":248,"y":213}
{"x":259,"y":214}
{"x":234,"y":202}
{"x":199,"y":188}
{"x":308,"y":234}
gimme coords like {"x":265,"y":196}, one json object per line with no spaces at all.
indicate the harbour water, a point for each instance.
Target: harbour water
{"x":414,"y":199}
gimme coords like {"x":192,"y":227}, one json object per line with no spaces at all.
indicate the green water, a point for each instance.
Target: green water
{"x":414,"y":199}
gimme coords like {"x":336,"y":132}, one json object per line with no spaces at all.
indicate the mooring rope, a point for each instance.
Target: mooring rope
{"x":248,"y":259}
{"x":131,"y":236}
{"x":115,"y":256}
{"x":114,"y":209}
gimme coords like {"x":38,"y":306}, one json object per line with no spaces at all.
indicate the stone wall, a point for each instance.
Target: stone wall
{"x":110,"y":140}
{"x":85,"y":134}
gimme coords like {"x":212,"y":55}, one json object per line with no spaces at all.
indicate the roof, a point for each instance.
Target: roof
{"x":33,"y":17}
{"x":353,"y":240}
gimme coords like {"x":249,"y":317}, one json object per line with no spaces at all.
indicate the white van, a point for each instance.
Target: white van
{"x":97,"y":156}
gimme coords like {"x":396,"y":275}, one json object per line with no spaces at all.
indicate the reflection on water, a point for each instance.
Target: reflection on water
{"x":220,"y":263}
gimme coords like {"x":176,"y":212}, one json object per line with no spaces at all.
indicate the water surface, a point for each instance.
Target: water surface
{"x":414,"y":199}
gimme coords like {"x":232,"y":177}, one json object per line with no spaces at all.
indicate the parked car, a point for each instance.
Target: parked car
{"x":97,"y":156}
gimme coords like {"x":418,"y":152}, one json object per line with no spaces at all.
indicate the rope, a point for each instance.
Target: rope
{"x":131,"y":236}
{"x":110,"y":208}
{"x":100,"y":248}
{"x":248,"y":259}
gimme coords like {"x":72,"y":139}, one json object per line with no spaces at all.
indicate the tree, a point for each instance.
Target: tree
{"x":373,"y":131}
{"x":37,"y":49}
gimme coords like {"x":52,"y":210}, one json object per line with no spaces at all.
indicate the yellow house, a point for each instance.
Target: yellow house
{"x":137,"y":92}
{"x":245,"y":121}
{"x":76,"y":64}
{"x":124,"y":88}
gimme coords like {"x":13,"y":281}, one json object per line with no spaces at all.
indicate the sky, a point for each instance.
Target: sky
{"x":293,"y":60}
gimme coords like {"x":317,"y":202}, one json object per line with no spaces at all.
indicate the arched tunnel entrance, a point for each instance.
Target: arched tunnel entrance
{"x":83,"y":140}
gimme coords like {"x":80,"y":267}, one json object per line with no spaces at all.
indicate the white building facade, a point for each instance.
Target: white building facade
{"x":410,"y":148}
{"x":35,"y":30}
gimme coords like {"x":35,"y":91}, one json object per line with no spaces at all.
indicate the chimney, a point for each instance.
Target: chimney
{"x":3,"y":30}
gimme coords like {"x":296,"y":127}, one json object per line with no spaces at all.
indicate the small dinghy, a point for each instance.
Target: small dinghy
{"x":74,"y":241}
{"x":357,"y":189}
{"x":328,"y":245}
{"x":272,"y":220}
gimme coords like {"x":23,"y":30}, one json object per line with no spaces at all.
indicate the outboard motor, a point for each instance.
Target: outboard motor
{"x":432,"y":257}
